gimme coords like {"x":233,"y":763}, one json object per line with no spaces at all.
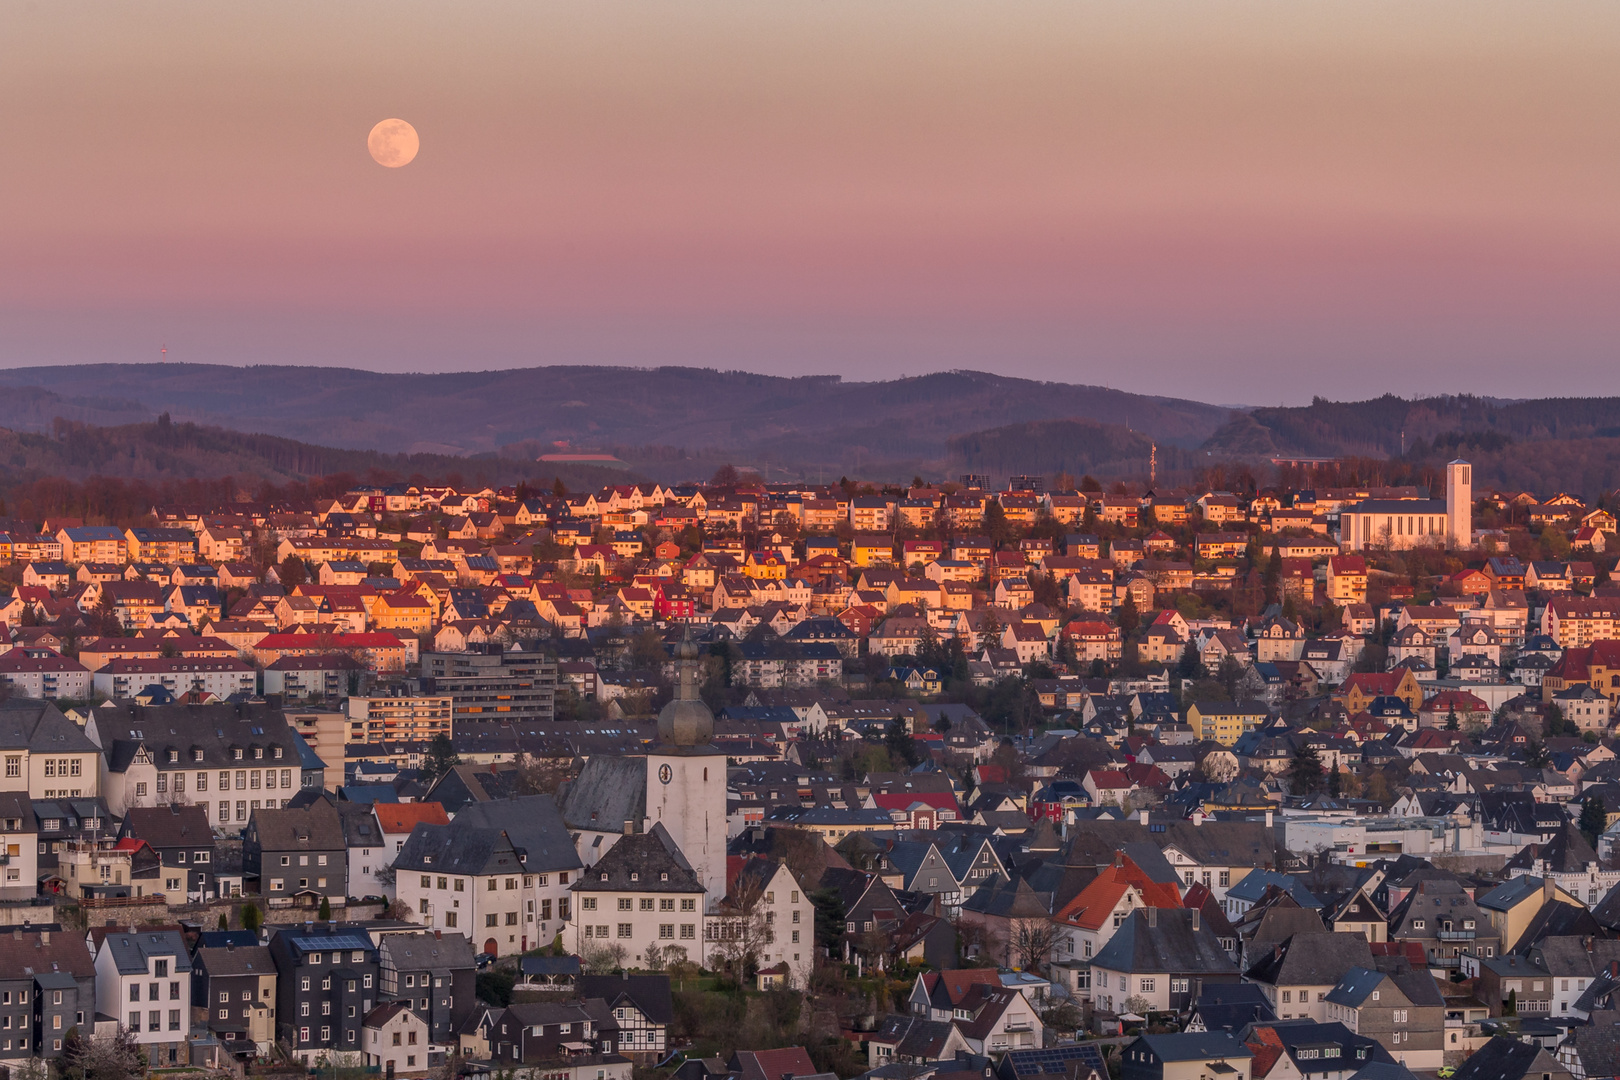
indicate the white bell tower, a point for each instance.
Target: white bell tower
{"x":1460,"y":505}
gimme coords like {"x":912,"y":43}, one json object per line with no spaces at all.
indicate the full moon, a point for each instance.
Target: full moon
{"x":393,"y":143}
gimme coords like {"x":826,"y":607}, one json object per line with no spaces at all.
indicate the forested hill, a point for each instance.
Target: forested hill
{"x":1385,"y":426}
{"x":162,"y":452}
{"x":798,"y":424}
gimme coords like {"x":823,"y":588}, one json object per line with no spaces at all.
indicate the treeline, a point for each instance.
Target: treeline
{"x":106,"y":474}
{"x":1394,"y":425}
{"x":1050,"y":447}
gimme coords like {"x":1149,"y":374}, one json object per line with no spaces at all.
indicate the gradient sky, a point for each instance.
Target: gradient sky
{"x":1236,"y":201}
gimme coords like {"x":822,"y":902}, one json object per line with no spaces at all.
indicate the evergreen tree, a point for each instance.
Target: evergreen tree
{"x":1191,"y":665}
{"x":1594,"y":819}
{"x":1129,"y":617}
{"x":1335,"y":782}
{"x":252,"y":917}
{"x":441,"y":757}
{"x":1305,"y":770}
{"x":1451,"y":718}
{"x":325,"y":914}
{"x":901,"y":746}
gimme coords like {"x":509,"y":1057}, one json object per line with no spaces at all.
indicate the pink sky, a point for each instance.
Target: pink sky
{"x":1242,"y":202}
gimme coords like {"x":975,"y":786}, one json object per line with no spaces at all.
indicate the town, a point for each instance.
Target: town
{"x":1025,"y":777}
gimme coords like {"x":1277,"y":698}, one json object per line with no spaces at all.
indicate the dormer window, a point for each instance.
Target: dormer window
{"x":258,"y":753}
{"x":634,"y":876}
{"x":196,"y":755}
{"x":276,"y":752}
{"x":663,"y":877}
{"x":236,"y":753}
{"x":604,"y":877}
{"x":174,"y":756}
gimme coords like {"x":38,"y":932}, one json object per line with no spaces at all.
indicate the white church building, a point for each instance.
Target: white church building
{"x":1409,"y":523}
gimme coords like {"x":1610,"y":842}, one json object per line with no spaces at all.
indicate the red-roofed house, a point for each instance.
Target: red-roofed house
{"x":1085,"y":923}
{"x":916,"y":810}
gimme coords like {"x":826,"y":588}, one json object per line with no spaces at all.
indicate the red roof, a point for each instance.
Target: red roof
{"x":403,"y":817}
{"x":1095,"y":904}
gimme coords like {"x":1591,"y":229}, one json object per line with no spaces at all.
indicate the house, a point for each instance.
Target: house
{"x":433,"y":974}
{"x":1186,"y":1056}
{"x":326,"y":984}
{"x":183,"y":840}
{"x":396,"y":1041}
{"x":641,"y":896}
{"x":1398,"y":1005}
{"x":145,"y":974}
{"x":1158,"y":957}
{"x":237,"y":985}
{"x":48,"y":987}
{"x":297,"y":856}
{"x":1086,"y":923}
{"x":641,"y":1006}
{"x":1298,"y":974}
{"x":502,"y":872}
{"x":1511,"y":1059}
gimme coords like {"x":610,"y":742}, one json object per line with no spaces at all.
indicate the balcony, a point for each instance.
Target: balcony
{"x":1455,"y":935}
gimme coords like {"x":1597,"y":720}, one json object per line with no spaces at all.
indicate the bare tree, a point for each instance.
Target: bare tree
{"x":1030,"y":942}
{"x":741,"y":930}
{"x":604,"y":958}
{"x":542,"y":775}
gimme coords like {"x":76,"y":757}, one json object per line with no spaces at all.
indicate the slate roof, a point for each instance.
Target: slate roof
{"x":316,"y":827}
{"x":649,"y":993}
{"x":216,"y":730}
{"x":1312,"y":959}
{"x":641,"y":862}
{"x":608,"y":792}
{"x":535,"y":827}
{"x":458,"y":849}
{"x":1195,"y":1046}
{"x":1020,"y":1064}
{"x":1598,"y":1048}
{"x":131,"y":949}
{"x":1232,"y":1006}
{"x":413,"y":952}
{"x":1499,"y":1059}
{"x":253,"y":960}
{"x":39,"y":727}
{"x":170,"y":826}
{"x":1170,"y":946}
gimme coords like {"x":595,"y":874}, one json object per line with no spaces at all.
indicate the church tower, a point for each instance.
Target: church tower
{"x":686,"y":777}
{"x":1460,"y":505}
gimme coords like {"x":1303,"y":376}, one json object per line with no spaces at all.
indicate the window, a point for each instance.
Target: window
{"x":625,"y":903}
{"x":688,"y":931}
{"x":587,"y":903}
{"x":1146,"y":985}
{"x":624,"y":929}
{"x":1178,"y":986}
{"x":1288,"y":997}
{"x":646,"y":904}
{"x":493,"y":920}
{"x":686,"y":905}
{"x":461,"y":885}
{"x":666,"y":931}
{"x":1417,"y":924}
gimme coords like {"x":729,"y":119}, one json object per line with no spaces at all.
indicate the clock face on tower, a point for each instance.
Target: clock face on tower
{"x":664,"y":774}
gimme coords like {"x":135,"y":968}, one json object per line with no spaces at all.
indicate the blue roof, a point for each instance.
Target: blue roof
{"x":1253,"y":886}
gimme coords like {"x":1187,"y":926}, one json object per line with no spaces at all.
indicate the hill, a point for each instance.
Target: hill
{"x":164,"y":453}
{"x":1075,"y":447}
{"x":1387,"y":425}
{"x":782,"y":426}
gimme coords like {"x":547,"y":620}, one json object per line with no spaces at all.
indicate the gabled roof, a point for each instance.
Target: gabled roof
{"x":1312,"y":959}
{"x":1170,"y":945}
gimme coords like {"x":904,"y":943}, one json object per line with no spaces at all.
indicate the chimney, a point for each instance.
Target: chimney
{"x":1195,"y":916}
{"x":1547,"y":888}
{"x":624,"y":973}
{"x":45,"y":938}
{"x":1152,"y":916}
{"x":438,"y":935}
{"x":1144,"y":815}
{"x":1268,"y":817}
{"x":1587,"y":942}
{"x":309,"y":926}
{"x":629,"y":827}
{"x":1198,"y":817}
